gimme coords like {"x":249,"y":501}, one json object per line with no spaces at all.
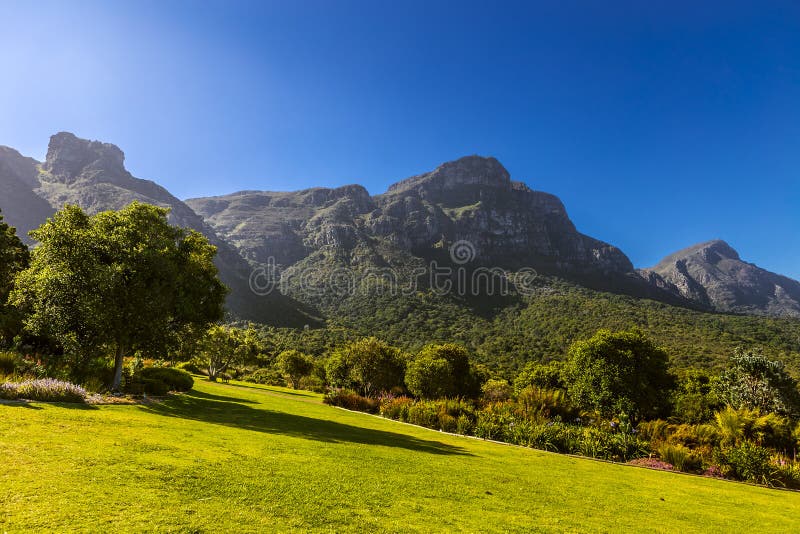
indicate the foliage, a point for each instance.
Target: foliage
{"x":368,"y":364}
{"x":223,"y":346}
{"x":537,"y":404}
{"x":14,"y":257}
{"x":294,"y":365}
{"x":9,"y":361}
{"x":756,"y":383}
{"x":694,"y":399}
{"x":495,"y":390}
{"x":344,"y":398}
{"x":123,"y":280}
{"x":175,"y":379}
{"x":547,"y":376}
{"x":270,"y":377}
{"x":45,"y":390}
{"x":443,"y":371}
{"x":679,"y":456}
{"x":622,"y":372}
{"x":750,"y":462}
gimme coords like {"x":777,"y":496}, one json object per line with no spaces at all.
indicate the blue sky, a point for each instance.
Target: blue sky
{"x":659,"y":124}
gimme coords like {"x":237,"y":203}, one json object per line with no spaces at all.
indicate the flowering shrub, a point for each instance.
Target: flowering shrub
{"x":44,"y":389}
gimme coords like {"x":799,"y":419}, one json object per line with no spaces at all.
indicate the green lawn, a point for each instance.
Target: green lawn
{"x":229,"y":458}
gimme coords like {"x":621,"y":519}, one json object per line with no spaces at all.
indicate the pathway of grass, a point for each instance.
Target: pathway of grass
{"x":232,"y":458}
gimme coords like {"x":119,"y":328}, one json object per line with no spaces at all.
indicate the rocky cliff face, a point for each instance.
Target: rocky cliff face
{"x":714,"y":275}
{"x":92,"y":175}
{"x":471,"y":199}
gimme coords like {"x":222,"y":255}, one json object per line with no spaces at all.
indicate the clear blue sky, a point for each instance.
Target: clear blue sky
{"x":659,"y":124}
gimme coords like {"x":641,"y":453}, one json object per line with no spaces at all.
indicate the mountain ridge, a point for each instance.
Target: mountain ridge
{"x":472,"y":200}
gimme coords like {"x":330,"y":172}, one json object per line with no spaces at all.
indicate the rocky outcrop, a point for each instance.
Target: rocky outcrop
{"x":713,"y":275}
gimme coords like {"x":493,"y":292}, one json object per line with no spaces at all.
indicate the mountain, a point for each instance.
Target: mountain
{"x":92,"y":175}
{"x":714,"y":275}
{"x":329,"y":253}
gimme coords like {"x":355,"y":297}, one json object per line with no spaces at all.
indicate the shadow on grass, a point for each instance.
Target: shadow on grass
{"x":203,"y":407}
{"x":304,"y":394}
{"x":33,"y":404}
{"x":222,"y":398}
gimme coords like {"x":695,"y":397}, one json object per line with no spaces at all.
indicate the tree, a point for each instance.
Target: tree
{"x":294,"y":365}
{"x":367,"y":364}
{"x":619,"y":373}
{"x":541,"y":375}
{"x":223,"y":346}
{"x":117,"y":282}
{"x":443,"y":371}
{"x":14,"y":257}
{"x":754,"y":382}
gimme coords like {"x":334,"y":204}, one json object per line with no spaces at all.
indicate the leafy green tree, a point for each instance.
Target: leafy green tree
{"x":619,"y":373}
{"x":367,"y":364}
{"x":694,"y":400}
{"x":443,"y":371}
{"x":14,"y":257}
{"x":117,"y":282}
{"x":224,"y":346}
{"x":755,"y":382}
{"x":541,"y":375}
{"x":294,"y":365}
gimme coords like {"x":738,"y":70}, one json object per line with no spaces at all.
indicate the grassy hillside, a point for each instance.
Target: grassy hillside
{"x":233,"y":458}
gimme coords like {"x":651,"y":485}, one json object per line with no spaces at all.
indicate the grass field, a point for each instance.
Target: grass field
{"x":232,"y":458}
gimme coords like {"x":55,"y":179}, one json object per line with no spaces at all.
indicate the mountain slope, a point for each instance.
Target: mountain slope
{"x":714,"y":275}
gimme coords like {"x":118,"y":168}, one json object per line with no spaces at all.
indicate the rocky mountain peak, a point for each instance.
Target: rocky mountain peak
{"x":713,"y":274}
{"x":467,"y":173}
{"x":69,"y":156}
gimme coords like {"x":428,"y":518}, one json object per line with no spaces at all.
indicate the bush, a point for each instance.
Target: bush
{"x":496,"y":390}
{"x":153,"y":386}
{"x":312,"y":383}
{"x":351,"y":400}
{"x":45,"y":390}
{"x":395,"y":407}
{"x":749,"y":462}
{"x":174,"y":379}
{"x":679,"y":456}
{"x":189,"y":367}
{"x":269,"y":377}
{"x":8,"y":363}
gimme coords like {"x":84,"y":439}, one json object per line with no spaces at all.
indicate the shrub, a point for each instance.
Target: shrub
{"x":677,"y":455}
{"x":45,"y":390}
{"x":153,"y":386}
{"x":174,"y":379}
{"x":351,"y":400}
{"x":750,"y":462}
{"x":395,"y":407}
{"x":312,"y":383}
{"x":189,"y":367}
{"x":8,"y":363}
{"x":424,"y":414}
{"x":496,"y":390}
{"x":538,"y":404}
{"x":268,"y":377}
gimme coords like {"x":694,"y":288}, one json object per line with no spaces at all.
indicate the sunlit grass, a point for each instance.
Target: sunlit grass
{"x":257,"y":458}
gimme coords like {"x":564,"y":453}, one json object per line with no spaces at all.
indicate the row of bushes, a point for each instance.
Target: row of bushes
{"x":45,"y":389}
{"x":702,"y":449}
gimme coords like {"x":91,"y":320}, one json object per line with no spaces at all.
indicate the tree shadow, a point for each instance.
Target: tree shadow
{"x":199,"y":407}
{"x":275,"y":391}
{"x":222,"y":398}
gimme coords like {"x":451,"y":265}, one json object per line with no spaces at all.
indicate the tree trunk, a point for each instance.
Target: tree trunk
{"x":118,"y":362}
